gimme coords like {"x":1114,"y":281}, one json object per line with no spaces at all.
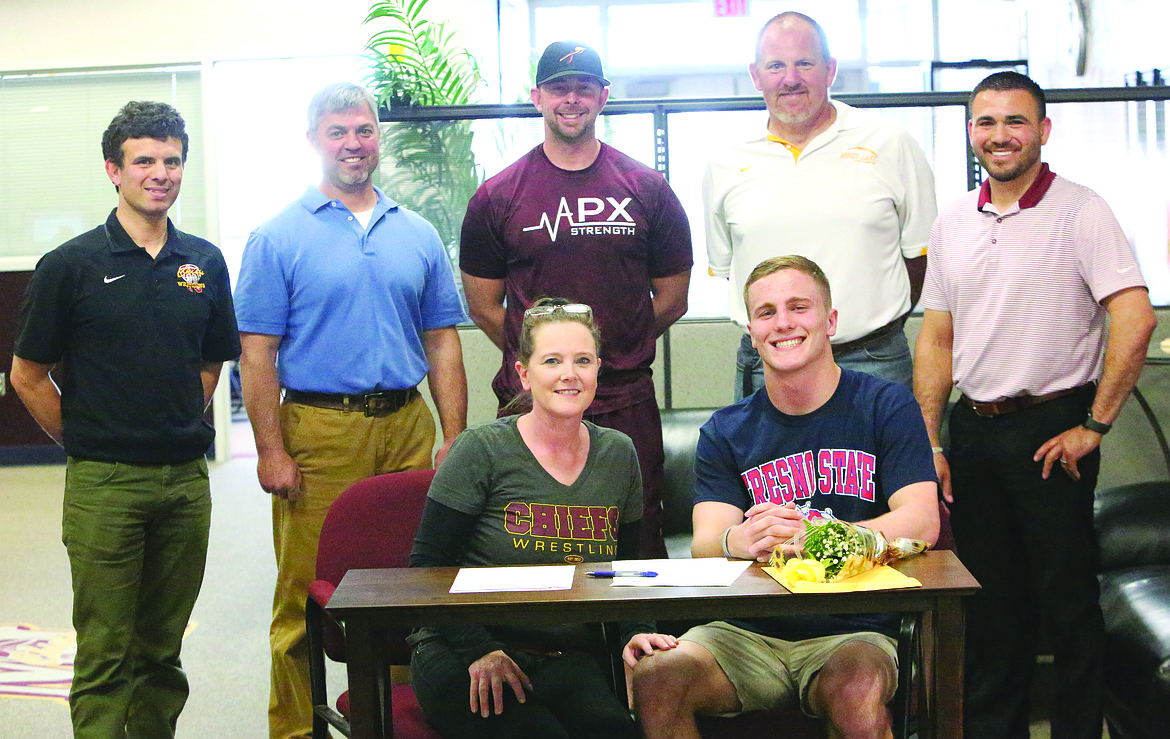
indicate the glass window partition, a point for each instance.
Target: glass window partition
{"x":1107,"y":146}
{"x":1100,"y":146}
{"x":898,"y":30}
{"x":263,"y":160}
{"x":53,"y":125}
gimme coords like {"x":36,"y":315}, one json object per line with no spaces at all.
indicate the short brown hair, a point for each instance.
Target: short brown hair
{"x":1007,"y":81}
{"x":791,"y":261}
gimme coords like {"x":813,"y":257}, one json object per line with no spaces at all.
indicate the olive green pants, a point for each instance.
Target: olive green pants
{"x":137,"y":542}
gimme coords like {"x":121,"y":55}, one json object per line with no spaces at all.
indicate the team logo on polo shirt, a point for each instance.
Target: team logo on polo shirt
{"x":860,"y":154}
{"x":592,"y":217}
{"x":189,"y":275}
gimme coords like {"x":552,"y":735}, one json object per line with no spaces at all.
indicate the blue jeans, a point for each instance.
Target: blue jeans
{"x":888,"y":358}
{"x":137,"y":542}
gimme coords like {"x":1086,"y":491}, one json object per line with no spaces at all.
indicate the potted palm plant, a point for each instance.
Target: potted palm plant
{"x":429,"y":165}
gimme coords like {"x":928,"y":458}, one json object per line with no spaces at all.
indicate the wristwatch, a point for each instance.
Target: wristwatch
{"x":1093,"y":424}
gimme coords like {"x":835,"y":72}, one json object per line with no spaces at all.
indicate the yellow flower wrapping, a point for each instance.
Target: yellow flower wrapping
{"x":803,"y":570}
{"x":863,"y":548}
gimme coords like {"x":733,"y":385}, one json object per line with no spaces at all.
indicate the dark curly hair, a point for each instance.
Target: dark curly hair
{"x":142,"y":119}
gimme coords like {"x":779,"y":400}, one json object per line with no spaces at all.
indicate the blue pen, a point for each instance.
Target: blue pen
{"x":621,"y":573}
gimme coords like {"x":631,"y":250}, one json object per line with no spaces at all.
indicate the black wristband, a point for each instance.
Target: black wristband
{"x":1093,"y":424}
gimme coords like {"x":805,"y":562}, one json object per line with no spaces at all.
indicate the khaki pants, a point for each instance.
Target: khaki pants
{"x":334,"y":449}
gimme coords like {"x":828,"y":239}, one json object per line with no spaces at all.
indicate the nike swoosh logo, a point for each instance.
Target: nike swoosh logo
{"x":744,"y":169}
{"x":1123,"y":271}
{"x":108,"y":280}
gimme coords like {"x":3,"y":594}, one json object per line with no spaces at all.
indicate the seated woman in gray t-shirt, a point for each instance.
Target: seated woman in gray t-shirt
{"x":545,"y":487}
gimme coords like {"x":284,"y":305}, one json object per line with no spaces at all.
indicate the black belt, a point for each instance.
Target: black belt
{"x":881,"y":333}
{"x":377,"y":403}
{"x":1003,"y":406}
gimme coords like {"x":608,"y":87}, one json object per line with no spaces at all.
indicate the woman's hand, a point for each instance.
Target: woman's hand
{"x":488,"y":675}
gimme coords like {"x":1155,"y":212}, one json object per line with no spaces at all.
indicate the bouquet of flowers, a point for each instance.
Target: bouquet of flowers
{"x":829,"y":550}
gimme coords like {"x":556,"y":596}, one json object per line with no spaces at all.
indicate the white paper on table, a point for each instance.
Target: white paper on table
{"x":701,"y":571}
{"x":506,"y":579}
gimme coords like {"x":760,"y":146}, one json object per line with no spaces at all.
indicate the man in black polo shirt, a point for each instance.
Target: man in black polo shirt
{"x":135,"y":320}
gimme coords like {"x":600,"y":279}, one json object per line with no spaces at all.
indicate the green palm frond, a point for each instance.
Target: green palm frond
{"x":428,"y":166}
{"x":416,"y":61}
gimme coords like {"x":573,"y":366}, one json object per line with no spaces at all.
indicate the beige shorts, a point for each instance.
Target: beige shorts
{"x":773,"y":673}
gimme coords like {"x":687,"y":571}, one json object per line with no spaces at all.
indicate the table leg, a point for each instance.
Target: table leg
{"x":947,"y":673}
{"x":368,"y":717}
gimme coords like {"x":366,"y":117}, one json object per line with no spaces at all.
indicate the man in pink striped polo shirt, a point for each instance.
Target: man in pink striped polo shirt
{"x":1021,"y":275}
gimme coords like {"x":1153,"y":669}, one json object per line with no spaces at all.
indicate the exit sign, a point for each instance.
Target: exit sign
{"x":731,"y":8}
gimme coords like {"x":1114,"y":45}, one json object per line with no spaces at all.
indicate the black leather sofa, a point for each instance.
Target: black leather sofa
{"x":680,"y":435}
{"x":1133,"y":529}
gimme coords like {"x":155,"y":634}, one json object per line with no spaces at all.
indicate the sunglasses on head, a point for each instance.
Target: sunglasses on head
{"x":576,"y":309}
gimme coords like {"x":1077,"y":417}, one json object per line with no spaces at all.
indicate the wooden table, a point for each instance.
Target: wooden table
{"x":370,"y":600}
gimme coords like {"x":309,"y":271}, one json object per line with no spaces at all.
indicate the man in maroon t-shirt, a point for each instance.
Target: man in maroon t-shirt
{"x":575,"y":218}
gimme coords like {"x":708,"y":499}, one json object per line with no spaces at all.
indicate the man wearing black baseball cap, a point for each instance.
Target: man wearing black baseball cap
{"x":575,"y":217}
{"x":563,"y":58}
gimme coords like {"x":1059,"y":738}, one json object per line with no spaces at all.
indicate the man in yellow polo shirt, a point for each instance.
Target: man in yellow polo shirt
{"x":844,"y":187}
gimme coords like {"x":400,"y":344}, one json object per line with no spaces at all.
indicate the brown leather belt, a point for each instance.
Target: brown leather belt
{"x":375,"y":404}
{"x":881,"y":333}
{"x":1003,"y":406}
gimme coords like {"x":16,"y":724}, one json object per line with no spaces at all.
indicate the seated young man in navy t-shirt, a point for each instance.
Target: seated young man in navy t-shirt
{"x":817,"y":439}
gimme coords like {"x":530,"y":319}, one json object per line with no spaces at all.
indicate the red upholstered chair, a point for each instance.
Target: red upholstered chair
{"x":371,"y":525}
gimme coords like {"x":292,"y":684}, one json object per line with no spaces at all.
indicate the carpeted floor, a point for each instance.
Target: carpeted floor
{"x":226,"y":650}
